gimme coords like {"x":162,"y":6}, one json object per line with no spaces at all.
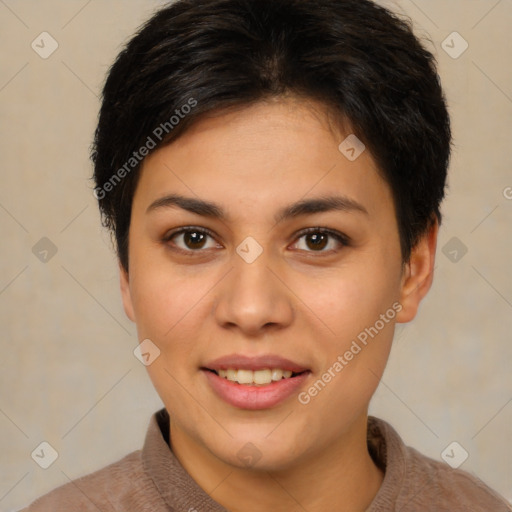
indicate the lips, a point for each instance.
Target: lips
{"x":241,"y":362}
{"x":254,"y":383}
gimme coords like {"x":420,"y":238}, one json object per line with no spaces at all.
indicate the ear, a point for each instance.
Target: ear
{"x":126,"y":293}
{"x":418,"y":274}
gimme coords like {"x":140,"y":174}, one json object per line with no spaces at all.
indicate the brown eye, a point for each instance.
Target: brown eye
{"x":194,"y":239}
{"x":191,"y":240}
{"x":316,"y":241}
{"x":321,"y":240}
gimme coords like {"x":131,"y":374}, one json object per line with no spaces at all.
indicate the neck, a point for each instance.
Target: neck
{"x":341,"y":477}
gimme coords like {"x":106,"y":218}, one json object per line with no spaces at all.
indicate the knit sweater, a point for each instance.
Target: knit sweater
{"x":152,"y":479}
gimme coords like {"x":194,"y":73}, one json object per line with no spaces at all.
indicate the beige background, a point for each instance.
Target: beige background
{"x":68,"y":374}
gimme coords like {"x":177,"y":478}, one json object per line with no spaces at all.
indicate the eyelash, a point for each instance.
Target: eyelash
{"x":342,"y":239}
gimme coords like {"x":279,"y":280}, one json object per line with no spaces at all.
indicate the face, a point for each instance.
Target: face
{"x":257,"y":250}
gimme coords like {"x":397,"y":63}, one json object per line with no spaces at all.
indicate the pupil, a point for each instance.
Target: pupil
{"x":194,"y":239}
{"x":319,"y":240}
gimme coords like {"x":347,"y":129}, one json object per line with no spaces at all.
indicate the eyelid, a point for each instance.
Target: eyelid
{"x":183,"y":229}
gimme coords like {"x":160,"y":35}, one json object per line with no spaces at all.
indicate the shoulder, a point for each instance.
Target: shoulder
{"x":107,"y":489}
{"x":437,"y":483}
{"x":414,"y":482}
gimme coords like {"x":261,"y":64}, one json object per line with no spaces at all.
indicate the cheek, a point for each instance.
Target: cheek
{"x":168,"y":302}
{"x":358,"y":307}
{"x":349,"y":301}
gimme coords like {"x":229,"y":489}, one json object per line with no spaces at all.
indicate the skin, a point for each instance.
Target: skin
{"x":297,"y":300}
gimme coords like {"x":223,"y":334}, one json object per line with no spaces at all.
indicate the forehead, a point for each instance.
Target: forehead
{"x":267,"y":154}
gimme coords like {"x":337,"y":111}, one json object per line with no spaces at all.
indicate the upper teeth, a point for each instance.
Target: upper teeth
{"x":255,"y":377}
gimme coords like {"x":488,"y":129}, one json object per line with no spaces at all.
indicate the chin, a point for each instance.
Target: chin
{"x":258,"y":453}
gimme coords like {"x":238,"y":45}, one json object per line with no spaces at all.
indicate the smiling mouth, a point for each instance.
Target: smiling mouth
{"x":262,"y":377}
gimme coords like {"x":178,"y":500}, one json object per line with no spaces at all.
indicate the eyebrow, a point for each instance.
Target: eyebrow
{"x":302,"y":207}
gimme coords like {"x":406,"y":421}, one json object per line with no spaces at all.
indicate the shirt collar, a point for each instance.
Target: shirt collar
{"x":177,"y":488}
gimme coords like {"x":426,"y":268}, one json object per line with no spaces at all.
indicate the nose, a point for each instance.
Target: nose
{"x":253,"y":298}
